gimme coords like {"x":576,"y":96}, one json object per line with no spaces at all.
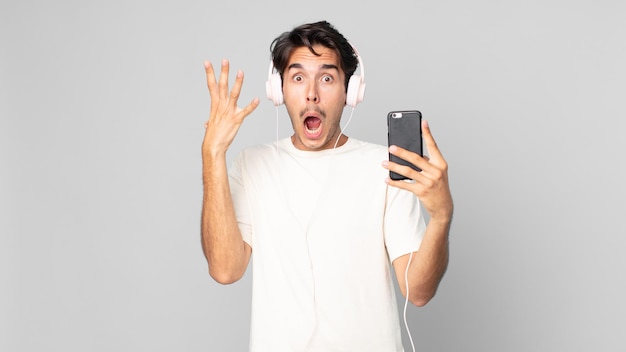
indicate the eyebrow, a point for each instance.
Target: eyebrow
{"x":323,"y":67}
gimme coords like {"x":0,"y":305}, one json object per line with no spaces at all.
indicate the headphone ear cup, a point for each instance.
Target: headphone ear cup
{"x":356,"y":91}
{"x":274,"y":89}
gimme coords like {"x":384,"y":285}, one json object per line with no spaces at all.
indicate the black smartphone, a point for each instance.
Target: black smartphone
{"x":404,"y":129}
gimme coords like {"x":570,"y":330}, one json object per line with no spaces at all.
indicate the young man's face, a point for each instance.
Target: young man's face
{"x":315,"y":95}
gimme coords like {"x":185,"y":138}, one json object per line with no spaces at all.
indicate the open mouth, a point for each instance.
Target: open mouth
{"x":312,"y":126}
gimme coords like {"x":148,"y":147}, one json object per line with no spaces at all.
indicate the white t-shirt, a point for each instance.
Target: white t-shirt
{"x":324,"y":228}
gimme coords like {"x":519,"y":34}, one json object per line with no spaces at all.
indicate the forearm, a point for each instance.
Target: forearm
{"x":226,"y":253}
{"x":428,"y":265}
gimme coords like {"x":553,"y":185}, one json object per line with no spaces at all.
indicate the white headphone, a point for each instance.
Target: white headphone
{"x":354,"y":94}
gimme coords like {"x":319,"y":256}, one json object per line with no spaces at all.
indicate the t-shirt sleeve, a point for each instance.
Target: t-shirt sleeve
{"x":404,"y":223}
{"x":240,"y":201}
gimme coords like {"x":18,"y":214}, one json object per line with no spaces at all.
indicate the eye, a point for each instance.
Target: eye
{"x":327,"y":79}
{"x":298,"y":78}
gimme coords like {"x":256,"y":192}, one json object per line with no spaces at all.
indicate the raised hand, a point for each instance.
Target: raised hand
{"x":225,"y":117}
{"x":226,"y":252}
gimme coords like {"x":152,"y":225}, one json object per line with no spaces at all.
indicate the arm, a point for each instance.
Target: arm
{"x":428,"y":265}
{"x":430,"y":262}
{"x":226,"y":253}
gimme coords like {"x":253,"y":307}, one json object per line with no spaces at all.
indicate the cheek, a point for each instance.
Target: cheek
{"x":291,"y":91}
{"x":293,"y":112}
{"x":335,"y":95}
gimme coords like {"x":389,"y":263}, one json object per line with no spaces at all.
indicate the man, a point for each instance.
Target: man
{"x":319,"y":212}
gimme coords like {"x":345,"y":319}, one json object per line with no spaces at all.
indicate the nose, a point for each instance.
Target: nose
{"x":311,"y":95}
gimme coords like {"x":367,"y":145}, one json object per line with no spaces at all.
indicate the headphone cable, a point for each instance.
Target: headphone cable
{"x":406,"y":301}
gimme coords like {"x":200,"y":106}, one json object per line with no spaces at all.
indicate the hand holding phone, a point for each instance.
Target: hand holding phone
{"x":405,"y":131}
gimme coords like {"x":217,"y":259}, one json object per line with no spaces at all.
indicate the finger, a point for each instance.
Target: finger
{"x":418,"y":182}
{"x":234,"y":93}
{"x":223,"y":81}
{"x":210,"y":77}
{"x":409,"y":185}
{"x":250,"y":107}
{"x":428,"y":173}
{"x":406,"y":171}
{"x":410,"y":156}
{"x":429,"y":140}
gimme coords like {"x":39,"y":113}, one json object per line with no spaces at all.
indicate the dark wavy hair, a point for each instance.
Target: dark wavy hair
{"x":310,"y":34}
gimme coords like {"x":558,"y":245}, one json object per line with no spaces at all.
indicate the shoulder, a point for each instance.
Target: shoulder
{"x":253,"y":156}
{"x":363,"y":148}
{"x":256,"y":151}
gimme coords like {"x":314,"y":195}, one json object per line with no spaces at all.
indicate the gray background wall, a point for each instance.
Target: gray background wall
{"x":102,"y":106}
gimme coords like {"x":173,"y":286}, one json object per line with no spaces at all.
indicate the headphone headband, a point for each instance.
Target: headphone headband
{"x":358,"y":57}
